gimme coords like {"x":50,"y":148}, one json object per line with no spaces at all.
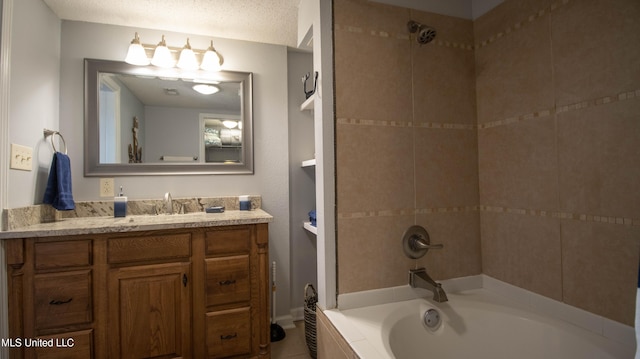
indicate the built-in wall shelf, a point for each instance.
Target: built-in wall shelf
{"x":308,"y":103}
{"x":310,"y":228}
{"x":309,"y":163}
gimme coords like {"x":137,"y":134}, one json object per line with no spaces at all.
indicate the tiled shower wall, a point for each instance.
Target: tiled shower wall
{"x":558,"y":93}
{"x":514,"y":139}
{"x":406,"y":144}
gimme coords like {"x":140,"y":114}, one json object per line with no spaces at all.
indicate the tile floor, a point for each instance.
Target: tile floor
{"x":293,"y":346}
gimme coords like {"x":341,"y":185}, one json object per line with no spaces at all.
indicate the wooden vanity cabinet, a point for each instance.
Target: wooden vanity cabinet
{"x":188,"y":293}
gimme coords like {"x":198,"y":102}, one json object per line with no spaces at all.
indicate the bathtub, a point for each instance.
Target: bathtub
{"x":476,"y":323}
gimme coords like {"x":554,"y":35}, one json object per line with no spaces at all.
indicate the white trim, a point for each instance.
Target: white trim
{"x":5,"y":47}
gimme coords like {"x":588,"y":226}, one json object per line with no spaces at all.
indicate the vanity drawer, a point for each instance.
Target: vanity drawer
{"x":228,"y":333}
{"x":227,"y":280}
{"x":54,"y":255}
{"x":145,"y":248}
{"x":62,"y":299}
{"x":74,"y":345}
{"x":228,"y":241}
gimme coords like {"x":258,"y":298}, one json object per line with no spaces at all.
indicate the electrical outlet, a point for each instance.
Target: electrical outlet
{"x":21,"y":157}
{"x":106,"y":187}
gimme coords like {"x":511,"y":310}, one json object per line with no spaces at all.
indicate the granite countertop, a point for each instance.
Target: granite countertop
{"x":97,"y":225}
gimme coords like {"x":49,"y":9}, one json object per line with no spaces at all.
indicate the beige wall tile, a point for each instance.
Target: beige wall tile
{"x":523,"y":250}
{"x":446,"y":168}
{"x":595,"y":49}
{"x":599,"y":264}
{"x":506,"y":15}
{"x":449,"y":28}
{"x":599,"y":159}
{"x":370,"y":15}
{"x":370,"y":254}
{"x":518,"y":165}
{"x":459,"y":232}
{"x":514,"y":75}
{"x":372,"y":77}
{"x":374,"y":168}
{"x":373,"y":72}
{"x":445,"y":92}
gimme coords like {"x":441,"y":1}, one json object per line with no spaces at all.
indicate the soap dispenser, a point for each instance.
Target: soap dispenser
{"x":120,"y":205}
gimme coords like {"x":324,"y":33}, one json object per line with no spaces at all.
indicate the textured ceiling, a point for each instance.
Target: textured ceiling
{"x":267,"y":21}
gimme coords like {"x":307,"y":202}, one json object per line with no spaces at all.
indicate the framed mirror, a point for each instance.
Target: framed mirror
{"x":153,"y":121}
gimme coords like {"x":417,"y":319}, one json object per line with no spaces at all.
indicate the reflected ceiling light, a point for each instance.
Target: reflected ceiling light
{"x":206,"y":89}
{"x":136,"y":54}
{"x":187,"y":59}
{"x":230,"y":123}
{"x":162,"y":55}
{"x":211,"y":60}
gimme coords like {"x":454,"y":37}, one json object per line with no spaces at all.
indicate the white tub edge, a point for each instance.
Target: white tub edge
{"x":537,"y":303}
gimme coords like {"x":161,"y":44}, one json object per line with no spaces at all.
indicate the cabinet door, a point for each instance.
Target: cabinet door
{"x":150,"y":311}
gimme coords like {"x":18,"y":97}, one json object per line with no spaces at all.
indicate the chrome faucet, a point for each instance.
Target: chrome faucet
{"x":168,"y":203}
{"x":418,"y":278}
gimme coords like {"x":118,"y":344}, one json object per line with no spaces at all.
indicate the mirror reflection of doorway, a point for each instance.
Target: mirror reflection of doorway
{"x":109,"y":121}
{"x":221,"y":138}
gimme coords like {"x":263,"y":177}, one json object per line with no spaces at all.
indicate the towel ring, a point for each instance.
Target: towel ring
{"x":52,"y":134}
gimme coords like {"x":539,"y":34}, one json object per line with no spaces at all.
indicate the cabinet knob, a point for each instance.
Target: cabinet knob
{"x":227,"y":282}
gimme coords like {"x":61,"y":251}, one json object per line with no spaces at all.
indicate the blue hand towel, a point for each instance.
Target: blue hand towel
{"x":58,"y":192}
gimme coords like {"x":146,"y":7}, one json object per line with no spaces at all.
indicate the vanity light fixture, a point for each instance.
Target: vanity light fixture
{"x":205,"y":89}
{"x":187,"y":59}
{"x":211,"y":60}
{"x":164,"y":56}
{"x":136,"y":54}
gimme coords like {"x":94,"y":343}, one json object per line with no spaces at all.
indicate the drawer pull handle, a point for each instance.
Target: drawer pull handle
{"x":228,"y":336}
{"x":227,"y":282}
{"x":59,"y":302}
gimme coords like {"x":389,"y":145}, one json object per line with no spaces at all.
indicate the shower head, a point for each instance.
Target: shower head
{"x":425,"y":34}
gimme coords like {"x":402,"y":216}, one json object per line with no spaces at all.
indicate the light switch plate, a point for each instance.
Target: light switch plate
{"x":106,"y":187}
{"x":21,"y":157}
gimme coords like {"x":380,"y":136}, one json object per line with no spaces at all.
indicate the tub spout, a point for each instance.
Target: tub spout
{"x":418,"y":278}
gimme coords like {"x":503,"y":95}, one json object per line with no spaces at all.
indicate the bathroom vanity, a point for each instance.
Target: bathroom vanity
{"x":181,"y":286}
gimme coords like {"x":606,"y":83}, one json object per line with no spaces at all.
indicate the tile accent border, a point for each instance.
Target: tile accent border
{"x":399,"y":36}
{"x":605,"y":100}
{"x":615,"y":220}
{"x":381,"y":123}
{"x":543,"y":113}
{"x":406,"y":212}
{"x":563,"y":215}
{"x":520,"y":24}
